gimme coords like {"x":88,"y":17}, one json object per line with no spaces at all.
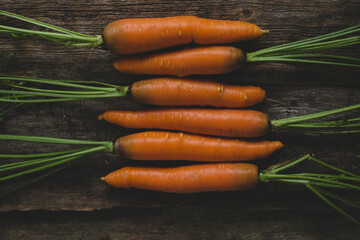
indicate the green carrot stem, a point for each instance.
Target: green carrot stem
{"x":306,"y":42}
{"x":36,"y":155}
{"x":322,"y":125}
{"x":302,"y":51}
{"x":316,"y":182}
{"x":299,"y":60}
{"x":339,"y":210}
{"x":64,"y":83}
{"x":34,"y":180}
{"x":304,"y":182}
{"x":76,"y":153}
{"x":38,"y":23}
{"x":16,"y":175}
{"x":339,"y":198}
{"x":328,"y":176}
{"x":317,"y":179}
{"x":289,"y":164}
{"x":9,"y":109}
{"x":45,"y":94}
{"x":72,"y":38}
{"x":38,"y":95}
{"x":108,"y":145}
{"x":56,"y":91}
{"x":333,"y":167}
{"x":38,"y":100}
{"x":313,"y":47}
{"x":286,"y":121}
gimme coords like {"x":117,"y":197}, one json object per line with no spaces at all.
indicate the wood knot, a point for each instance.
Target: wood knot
{"x":247,"y":12}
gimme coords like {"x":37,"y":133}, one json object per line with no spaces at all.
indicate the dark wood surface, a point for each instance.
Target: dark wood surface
{"x":75,"y":204}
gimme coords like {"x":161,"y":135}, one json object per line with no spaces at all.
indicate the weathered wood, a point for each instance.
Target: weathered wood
{"x":80,"y":205}
{"x":174,"y":223}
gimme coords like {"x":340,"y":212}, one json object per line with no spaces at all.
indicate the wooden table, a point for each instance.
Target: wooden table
{"x":75,"y":204}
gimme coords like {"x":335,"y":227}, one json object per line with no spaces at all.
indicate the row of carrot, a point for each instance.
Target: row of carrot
{"x":132,"y":36}
{"x":141,"y":35}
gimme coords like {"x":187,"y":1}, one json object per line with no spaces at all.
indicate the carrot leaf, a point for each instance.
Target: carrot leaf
{"x":22,"y":91}
{"x":59,"y":35}
{"x":33,"y":180}
{"x":303,"y":51}
{"x":316,"y":182}
{"x":302,"y":123}
{"x":27,"y":164}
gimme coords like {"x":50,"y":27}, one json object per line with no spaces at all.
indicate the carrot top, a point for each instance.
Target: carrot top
{"x":304,"y":123}
{"x":61,"y":35}
{"x":317,"y":183}
{"x":84,"y":90}
{"x":56,"y":161}
{"x":304,"y":50}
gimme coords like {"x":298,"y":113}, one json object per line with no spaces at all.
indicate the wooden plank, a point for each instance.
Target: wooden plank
{"x":174,"y":223}
{"x":81,"y":206}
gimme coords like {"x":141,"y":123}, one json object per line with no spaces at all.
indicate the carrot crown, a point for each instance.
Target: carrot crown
{"x":19,"y":93}
{"x":316,"y":182}
{"x":303,"y":50}
{"x":61,"y":35}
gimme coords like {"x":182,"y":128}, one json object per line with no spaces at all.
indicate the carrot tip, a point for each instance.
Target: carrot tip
{"x":100,"y":117}
{"x":102,"y":178}
{"x":265,"y":31}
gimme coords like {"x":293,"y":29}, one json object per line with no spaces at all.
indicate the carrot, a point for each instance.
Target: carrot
{"x":138,"y":35}
{"x":218,"y":122}
{"x":187,"y":179}
{"x":180,"y":146}
{"x":185,"y":62}
{"x":129,"y":36}
{"x":224,"y":59}
{"x":189,"y":92}
{"x":158,"y":91}
{"x":237,"y":176}
{"x":229,"y":122}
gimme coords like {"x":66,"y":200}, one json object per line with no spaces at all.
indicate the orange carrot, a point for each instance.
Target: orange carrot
{"x":188,"y":92}
{"x":187,"y":179}
{"x":128,"y":36}
{"x":184,"y":62}
{"x":181,"y":146}
{"x":158,"y":91}
{"x":218,"y":122}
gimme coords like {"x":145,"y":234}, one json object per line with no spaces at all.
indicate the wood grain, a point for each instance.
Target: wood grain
{"x":76,"y":204}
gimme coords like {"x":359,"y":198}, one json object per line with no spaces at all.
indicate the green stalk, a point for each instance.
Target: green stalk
{"x":316,"y":182}
{"x":31,"y":181}
{"x":339,"y":210}
{"x":303,"y":51}
{"x":9,"y":109}
{"x":37,"y":162}
{"x":64,"y":83}
{"x":37,"y":169}
{"x":302,"y":123}
{"x":76,"y":153}
{"x":108,"y":145}
{"x":36,"y":155}
{"x":340,"y":198}
{"x":29,"y":94}
{"x":65,"y":36}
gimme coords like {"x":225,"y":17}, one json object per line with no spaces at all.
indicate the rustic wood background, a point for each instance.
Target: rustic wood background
{"x":75,"y":204}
